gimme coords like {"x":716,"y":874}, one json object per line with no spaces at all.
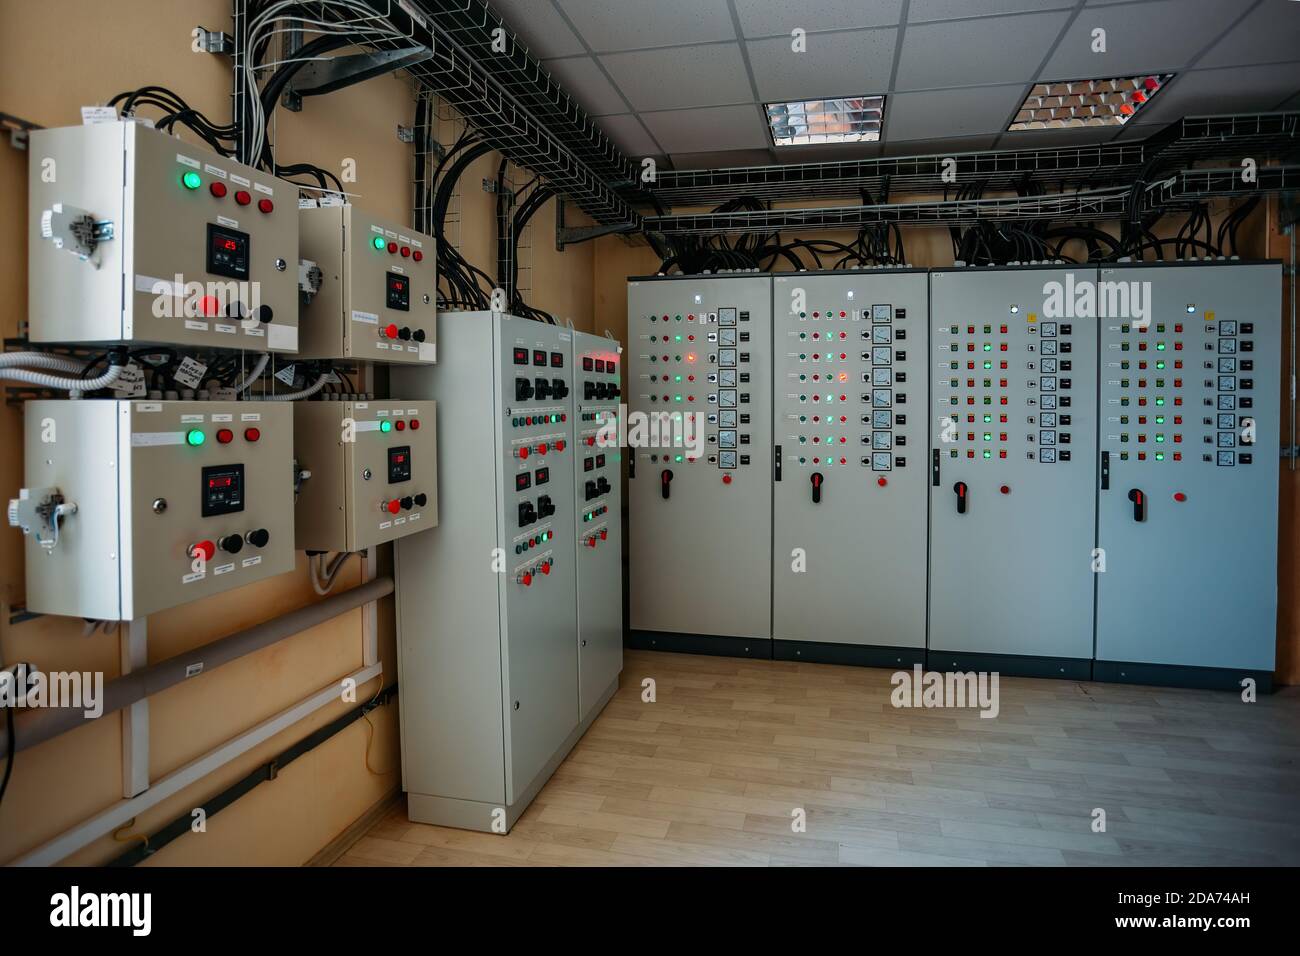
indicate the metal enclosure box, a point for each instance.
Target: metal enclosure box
{"x":598,"y":525}
{"x":378,"y":295}
{"x":701,"y":520}
{"x":373,"y":472}
{"x":1188,"y":496}
{"x":486,"y":604}
{"x":1013,"y":458}
{"x":203,"y":250}
{"x":850,"y":351}
{"x":176,"y":501}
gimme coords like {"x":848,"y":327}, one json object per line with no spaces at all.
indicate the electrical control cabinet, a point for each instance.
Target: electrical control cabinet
{"x":138,"y":236}
{"x":700,"y":508}
{"x":486,"y":603}
{"x":1188,"y":478}
{"x":367,"y":472}
{"x":378,"y":296}
{"x":851,"y":470}
{"x":598,"y":493}
{"x":161,"y":503}
{"x":1013,"y":455}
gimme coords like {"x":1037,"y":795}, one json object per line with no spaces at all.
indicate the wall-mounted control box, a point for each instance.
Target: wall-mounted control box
{"x":367,"y":472}
{"x":138,"y":236}
{"x":378,"y":296}
{"x":132,"y":507}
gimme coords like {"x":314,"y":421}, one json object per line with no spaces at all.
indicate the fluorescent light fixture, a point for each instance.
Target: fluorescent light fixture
{"x":1082,"y":103}
{"x":850,"y":119}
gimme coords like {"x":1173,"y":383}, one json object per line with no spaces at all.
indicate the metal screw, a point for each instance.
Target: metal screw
{"x":366,"y":474}
{"x":280,"y":265}
{"x":159,"y":505}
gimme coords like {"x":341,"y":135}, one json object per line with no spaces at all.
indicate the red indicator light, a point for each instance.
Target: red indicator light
{"x":401,"y":425}
{"x":726,"y":479}
{"x":225,"y":436}
{"x":406,"y":252}
{"x":265,"y":205}
{"x":1179,"y":496}
{"x":218,"y":189}
{"x":604,"y":533}
{"x":417,"y":255}
{"x":1005,"y":489}
{"x":243,"y":198}
{"x":252,"y":434}
{"x":882,"y":481}
{"x":546,"y":568}
{"x":392,"y":247}
{"x":415,"y":424}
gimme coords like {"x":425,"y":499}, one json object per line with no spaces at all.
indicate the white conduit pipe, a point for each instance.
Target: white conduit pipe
{"x":307,"y":392}
{"x":254,"y":374}
{"x":45,"y":360}
{"x":43,"y":380}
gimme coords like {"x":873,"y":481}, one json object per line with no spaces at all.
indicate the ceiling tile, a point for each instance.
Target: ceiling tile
{"x":1267,"y":34}
{"x":628,"y":135}
{"x":722,"y":159}
{"x":834,"y":64}
{"x":707,"y":130}
{"x":633,"y":26}
{"x":976,"y":52}
{"x":1140,"y":38}
{"x":827,"y":152}
{"x":583,"y":80}
{"x":1236,"y":89}
{"x":681,"y":77}
{"x":920,"y":11}
{"x":763,"y":18}
{"x":539,"y":25}
{"x":929,"y":115}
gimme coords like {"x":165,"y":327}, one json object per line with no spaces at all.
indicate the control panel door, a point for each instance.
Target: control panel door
{"x":1013,"y":455}
{"x":700,"y":478}
{"x":1190,"y":396}
{"x":851,"y":480}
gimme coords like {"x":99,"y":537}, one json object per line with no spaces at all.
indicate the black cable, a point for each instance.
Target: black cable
{"x":13,"y":741}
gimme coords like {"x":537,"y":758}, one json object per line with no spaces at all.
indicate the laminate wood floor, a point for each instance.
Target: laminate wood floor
{"x":712,"y":773}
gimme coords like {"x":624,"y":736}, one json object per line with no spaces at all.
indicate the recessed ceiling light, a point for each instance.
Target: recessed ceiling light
{"x":850,"y":119}
{"x":1082,"y":103}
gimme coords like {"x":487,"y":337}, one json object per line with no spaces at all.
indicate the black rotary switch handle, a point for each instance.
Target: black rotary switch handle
{"x":817,"y":480}
{"x":1139,"y":499}
{"x":961,"y":491}
{"x":665,"y":481}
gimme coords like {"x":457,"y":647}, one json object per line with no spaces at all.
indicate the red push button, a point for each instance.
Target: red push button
{"x":526,"y":579}
{"x":393,"y":506}
{"x":225,"y":436}
{"x":205,"y":548}
{"x":726,"y":479}
{"x":546,"y":567}
{"x":390,"y":331}
{"x":243,"y":198}
{"x":591,"y":440}
{"x":252,"y":434}
{"x":604,"y":533}
{"x":559,"y":445}
{"x":1179,"y":496}
{"x":541,"y":449}
{"x":265,"y":205}
{"x":218,"y":189}
{"x":521,"y":451}
{"x":882,"y":481}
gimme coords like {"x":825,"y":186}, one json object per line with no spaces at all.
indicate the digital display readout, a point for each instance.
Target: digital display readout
{"x":399,"y":464}
{"x":222,"y":490}
{"x":227,"y":252}
{"x":399,"y":292}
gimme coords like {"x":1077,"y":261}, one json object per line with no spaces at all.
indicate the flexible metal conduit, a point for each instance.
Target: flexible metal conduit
{"x":37,"y":726}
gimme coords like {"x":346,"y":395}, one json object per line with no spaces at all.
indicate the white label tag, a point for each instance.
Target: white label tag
{"x":190,"y":373}
{"x":331,"y":201}
{"x":225,"y":221}
{"x":214,"y":170}
{"x":150,"y":439}
{"x":428,"y":351}
{"x":222,"y":327}
{"x":188,"y":161}
{"x":93,"y":115}
{"x":286,"y":374}
{"x":194,"y":670}
{"x":224,"y":569}
{"x":130,"y":384}
{"x":366,"y":426}
{"x":196,"y":326}
{"x":191,"y":578}
{"x":249,"y":562}
{"x":250,"y":416}
{"x":304,"y":203}
{"x":259,"y":187}
{"x":282,"y":338}
{"x":239,"y":180}
{"x":223,"y":418}
{"x":367,"y":317}
{"x":259,"y":332}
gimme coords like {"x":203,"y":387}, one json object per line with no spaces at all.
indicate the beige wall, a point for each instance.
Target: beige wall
{"x":100,"y":49}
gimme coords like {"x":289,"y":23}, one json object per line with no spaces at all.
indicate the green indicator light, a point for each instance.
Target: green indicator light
{"x":677,"y":378}
{"x":803,"y":461}
{"x":1160,"y":401}
{"x":802,"y":356}
{"x":988,"y":436}
{"x":1160,"y":419}
{"x":378,"y":242}
{"x":1160,"y":346}
{"x":677,"y":338}
{"x":803,"y":418}
{"x":679,"y":318}
{"x":803,"y":315}
{"x":1160,"y":364}
{"x":192,"y":180}
{"x":803,"y":335}
{"x":830,"y":439}
{"x":195,"y":437}
{"x":988,"y":418}
{"x":1160,"y":438}
{"x":677,"y":398}
{"x":1160,"y":456}
{"x":385,"y":426}
{"x":987,"y":347}
{"x":678,"y":458}
{"x":988,"y":364}
{"x":987,"y":453}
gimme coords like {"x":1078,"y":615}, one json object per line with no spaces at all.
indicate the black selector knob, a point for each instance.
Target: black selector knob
{"x":421,"y":500}
{"x":588,"y":390}
{"x":545,"y":507}
{"x":264,"y":313}
{"x":407,"y":503}
{"x":418,"y":335}
{"x":259,"y":538}
{"x":543,"y":389}
{"x":523,"y":389}
{"x":232,"y":543}
{"x":592,"y":491}
{"x":404,"y":333}
{"x":817,"y":480}
{"x":961,"y":491}
{"x":665,"y":482}
{"x":614,"y":390}
{"x":1139,"y":499}
{"x":527,"y":515}
{"x":558,"y":388}
{"x":602,"y":483}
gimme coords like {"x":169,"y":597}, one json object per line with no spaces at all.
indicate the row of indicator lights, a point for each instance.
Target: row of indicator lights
{"x":192,"y":180}
{"x":380,"y":243}
{"x":389,"y":424}
{"x":690,"y":357}
{"x":534,"y":542}
{"x":397,"y":505}
{"x":526,"y":577}
{"x":522,"y":420}
{"x":1158,"y":456}
{"x":231,"y":544}
{"x":196,"y":436}
{"x":595,"y":513}
{"x":541,"y":448}
{"x":391,"y":331}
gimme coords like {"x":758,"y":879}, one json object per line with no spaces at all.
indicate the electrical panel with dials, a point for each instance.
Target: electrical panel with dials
{"x":138,"y":236}
{"x":378,"y":292}
{"x":132,"y":507}
{"x":367,"y":472}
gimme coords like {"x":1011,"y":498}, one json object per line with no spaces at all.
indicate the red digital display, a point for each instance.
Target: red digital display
{"x":215,"y":483}
{"x":521,"y":356}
